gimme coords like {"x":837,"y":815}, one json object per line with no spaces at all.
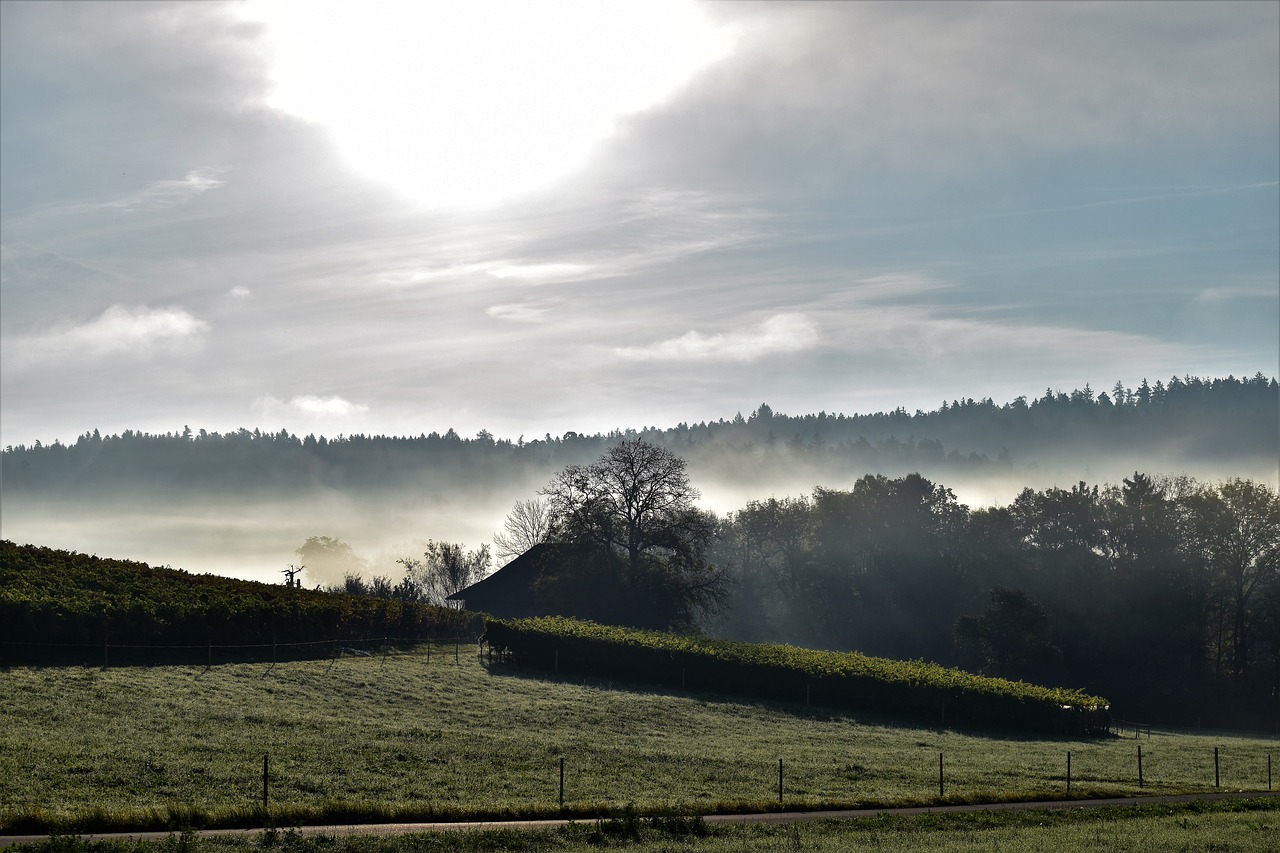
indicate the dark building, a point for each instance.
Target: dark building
{"x":511,"y":592}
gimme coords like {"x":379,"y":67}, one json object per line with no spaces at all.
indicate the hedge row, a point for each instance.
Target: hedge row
{"x":50,"y":597}
{"x":842,"y":679}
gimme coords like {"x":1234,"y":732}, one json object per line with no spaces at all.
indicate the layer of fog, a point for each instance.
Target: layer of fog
{"x":257,"y":536}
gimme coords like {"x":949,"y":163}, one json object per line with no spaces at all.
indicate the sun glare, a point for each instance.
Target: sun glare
{"x":470,"y":103}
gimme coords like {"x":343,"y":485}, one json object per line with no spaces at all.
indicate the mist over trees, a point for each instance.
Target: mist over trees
{"x":1159,"y":591}
{"x":1163,"y":594}
{"x":325,"y":559}
{"x":443,"y":569}
{"x":1176,"y":426}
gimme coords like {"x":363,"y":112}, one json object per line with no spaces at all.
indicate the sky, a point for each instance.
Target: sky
{"x":398,"y":218}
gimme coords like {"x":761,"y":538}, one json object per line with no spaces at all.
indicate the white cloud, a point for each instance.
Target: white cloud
{"x":541,"y":273}
{"x":782,"y":333}
{"x":311,"y":406}
{"x":159,"y":195}
{"x":239,"y":292}
{"x":118,"y":331}
{"x":944,"y":86}
{"x":414,"y":274}
{"x":517,"y":313}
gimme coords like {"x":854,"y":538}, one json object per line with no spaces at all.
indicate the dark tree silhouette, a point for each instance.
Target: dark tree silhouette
{"x":528,"y":524}
{"x":633,"y":512}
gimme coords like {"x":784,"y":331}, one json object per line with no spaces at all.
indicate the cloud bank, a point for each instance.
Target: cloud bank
{"x":119,"y":332}
{"x":779,"y":335}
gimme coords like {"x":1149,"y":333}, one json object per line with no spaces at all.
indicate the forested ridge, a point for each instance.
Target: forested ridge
{"x":1222,"y":420}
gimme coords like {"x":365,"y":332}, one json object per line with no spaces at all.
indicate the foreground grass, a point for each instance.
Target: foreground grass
{"x":1252,"y":825}
{"x":386,"y":739}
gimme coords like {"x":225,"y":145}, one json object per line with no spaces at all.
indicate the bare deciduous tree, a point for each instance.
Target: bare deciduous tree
{"x":445,"y":568}
{"x":528,"y":524}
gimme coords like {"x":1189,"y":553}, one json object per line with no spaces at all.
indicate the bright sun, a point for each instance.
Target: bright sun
{"x":468,"y":102}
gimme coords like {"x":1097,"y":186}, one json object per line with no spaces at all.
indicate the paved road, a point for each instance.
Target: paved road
{"x":765,"y":817}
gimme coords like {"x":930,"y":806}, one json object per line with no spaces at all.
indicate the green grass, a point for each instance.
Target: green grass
{"x":368,"y":738}
{"x":1252,"y":825}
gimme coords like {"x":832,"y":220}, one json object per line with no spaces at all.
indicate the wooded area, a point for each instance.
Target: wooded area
{"x":1162,"y":594}
{"x":1182,"y":421}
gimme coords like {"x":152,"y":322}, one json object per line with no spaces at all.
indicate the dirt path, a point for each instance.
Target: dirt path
{"x":765,"y":817}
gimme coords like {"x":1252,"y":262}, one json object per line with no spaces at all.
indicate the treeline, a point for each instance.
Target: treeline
{"x":57,"y":604}
{"x":1163,"y":595}
{"x":1188,"y":417}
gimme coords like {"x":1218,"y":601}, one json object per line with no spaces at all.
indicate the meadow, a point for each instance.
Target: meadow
{"x":1242,"y":826}
{"x":394,"y":737}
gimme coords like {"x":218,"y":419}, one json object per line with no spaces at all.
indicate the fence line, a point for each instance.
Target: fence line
{"x":1126,"y":728}
{"x":178,"y":653}
{"x":330,"y":642}
{"x":941,"y":779}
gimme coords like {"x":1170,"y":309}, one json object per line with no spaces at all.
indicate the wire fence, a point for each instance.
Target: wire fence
{"x":107,"y":653}
{"x":792,"y":783}
{"x":570,"y":778}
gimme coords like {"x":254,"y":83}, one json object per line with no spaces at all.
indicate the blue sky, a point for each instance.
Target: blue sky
{"x":228,"y":215}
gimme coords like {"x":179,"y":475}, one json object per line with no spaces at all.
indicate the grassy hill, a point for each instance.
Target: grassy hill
{"x":398,"y":737}
{"x":60,"y":605}
{"x":422,"y":732}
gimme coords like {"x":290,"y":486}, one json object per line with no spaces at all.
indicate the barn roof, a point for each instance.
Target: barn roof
{"x":509,"y":592}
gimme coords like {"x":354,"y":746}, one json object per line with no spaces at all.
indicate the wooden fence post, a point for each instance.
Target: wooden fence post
{"x":1216,"y":777}
{"x":779,"y":780}
{"x":265,"y":767}
{"x":562,"y":781}
{"x":1068,"y":772}
{"x":942,"y":790}
{"x":1268,"y":771}
{"x":1140,"y":765}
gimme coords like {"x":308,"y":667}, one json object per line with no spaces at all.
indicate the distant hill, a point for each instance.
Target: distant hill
{"x":1189,"y":424}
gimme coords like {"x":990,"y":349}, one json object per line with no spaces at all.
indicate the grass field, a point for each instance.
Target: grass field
{"x":1252,"y":825}
{"x":394,"y":738}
